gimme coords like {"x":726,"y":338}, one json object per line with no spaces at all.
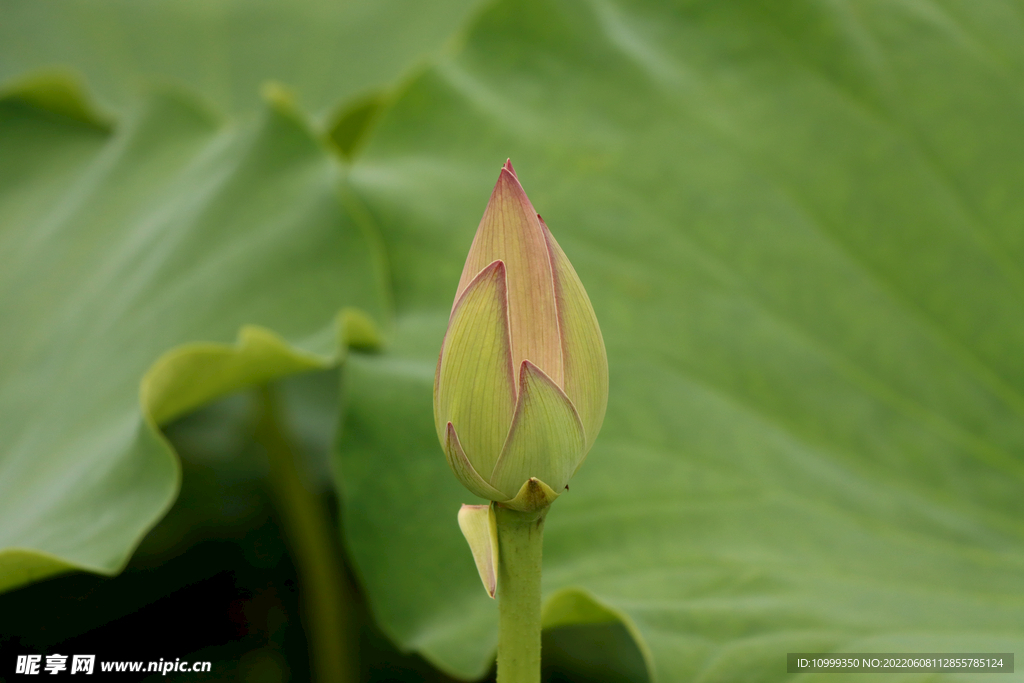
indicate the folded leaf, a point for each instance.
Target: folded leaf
{"x":137,"y":254}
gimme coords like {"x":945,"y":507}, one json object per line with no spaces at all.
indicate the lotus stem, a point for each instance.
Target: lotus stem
{"x":520,"y":542}
{"x":325,"y":590}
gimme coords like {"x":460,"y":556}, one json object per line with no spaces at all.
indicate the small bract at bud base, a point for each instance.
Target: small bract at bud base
{"x":522,"y":379}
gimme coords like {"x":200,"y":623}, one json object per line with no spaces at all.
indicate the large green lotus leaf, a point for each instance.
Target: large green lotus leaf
{"x":129,"y":262}
{"x":801,"y":228}
{"x":225,"y":49}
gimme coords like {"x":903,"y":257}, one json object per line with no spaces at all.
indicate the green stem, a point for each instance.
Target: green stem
{"x":520,"y":542}
{"x":325,"y":591}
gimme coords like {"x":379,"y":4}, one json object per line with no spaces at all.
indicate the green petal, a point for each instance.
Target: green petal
{"x":474,"y":388}
{"x":533,"y":495}
{"x":480,"y":527}
{"x":464,"y":469}
{"x":510,"y":230}
{"x":585,"y":362}
{"x":546,"y":439}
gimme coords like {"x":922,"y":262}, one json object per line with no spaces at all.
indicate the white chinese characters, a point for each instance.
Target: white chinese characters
{"x":56,"y":663}
{"x":28,"y":664}
{"x":83,"y":664}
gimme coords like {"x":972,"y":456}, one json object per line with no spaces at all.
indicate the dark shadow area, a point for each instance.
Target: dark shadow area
{"x":214,"y":581}
{"x":592,"y":653}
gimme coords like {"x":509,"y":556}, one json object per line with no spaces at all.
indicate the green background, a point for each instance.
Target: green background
{"x":799,"y":223}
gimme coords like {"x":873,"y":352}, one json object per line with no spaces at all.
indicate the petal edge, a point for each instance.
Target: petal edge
{"x":584,"y":358}
{"x":464,"y":470}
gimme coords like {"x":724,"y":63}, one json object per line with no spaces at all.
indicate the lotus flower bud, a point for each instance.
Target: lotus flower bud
{"x":522,"y":380}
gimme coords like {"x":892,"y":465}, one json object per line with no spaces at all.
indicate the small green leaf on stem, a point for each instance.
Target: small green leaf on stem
{"x":479,"y":526}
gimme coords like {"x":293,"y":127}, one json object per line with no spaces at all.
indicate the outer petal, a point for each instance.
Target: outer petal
{"x":546,"y":440}
{"x":511,"y":231}
{"x":474,"y":388}
{"x":585,"y":361}
{"x":464,"y":470}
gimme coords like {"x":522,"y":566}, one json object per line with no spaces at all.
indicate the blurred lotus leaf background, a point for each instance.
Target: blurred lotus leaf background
{"x":801,"y":224}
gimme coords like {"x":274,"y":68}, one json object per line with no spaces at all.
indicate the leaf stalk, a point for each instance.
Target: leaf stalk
{"x":325,"y":590}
